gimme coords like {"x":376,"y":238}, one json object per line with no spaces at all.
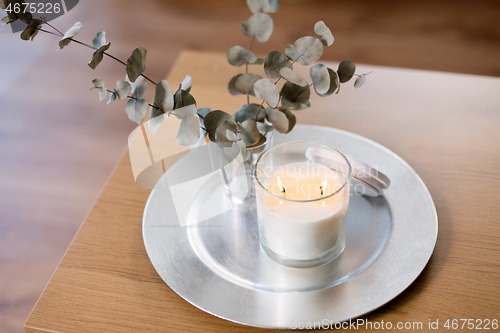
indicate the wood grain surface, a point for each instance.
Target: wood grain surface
{"x":444,"y":125}
{"x":59,"y":144}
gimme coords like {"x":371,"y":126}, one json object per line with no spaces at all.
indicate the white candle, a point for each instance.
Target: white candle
{"x":301,"y":221}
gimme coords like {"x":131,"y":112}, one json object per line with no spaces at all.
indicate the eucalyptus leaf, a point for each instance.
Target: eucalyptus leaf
{"x":232,"y":85}
{"x":238,"y":56}
{"x":202,"y":112}
{"x":2,"y":5}
{"x":321,"y":78}
{"x":98,"y":56}
{"x":186,"y":111}
{"x":123,"y":88}
{"x":334,"y":82}
{"x":139,"y":88}
{"x":263,"y":127}
{"x":189,"y":130}
{"x":221,"y":133}
{"x":291,"y":119}
{"x":99,"y":40}
{"x":324,"y":32}
{"x":137,"y":109}
{"x":274,"y":62}
{"x":5,"y":20}
{"x":213,"y":120}
{"x":231,"y":136}
{"x":249,"y":111}
{"x":263,"y":6}
{"x":31,"y":30}
{"x":164,"y":98}
{"x":259,"y":61}
{"x":278,"y":119}
{"x":360,"y":81}
{"x":112,"y":96}
{"x":293,"y":77}
{"x":136,"y":63}
{"x":346,"y":71}
{"x":186,"y":83}
{"x":99,"y":84}
{"x":305,"y":50}
{"x":72,"y":32}
{"x":266,"y":90}
{"x":245,"y":83}
{"x":259,"y":25}
{"x":182,"y":98}
{"x":294,"y":96}
{"x":248,"y":131}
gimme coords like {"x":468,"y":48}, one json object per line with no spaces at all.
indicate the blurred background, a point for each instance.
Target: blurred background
{"x":59,"y":144}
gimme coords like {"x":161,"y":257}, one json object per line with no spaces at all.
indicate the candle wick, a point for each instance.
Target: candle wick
{"x":321,"y":189}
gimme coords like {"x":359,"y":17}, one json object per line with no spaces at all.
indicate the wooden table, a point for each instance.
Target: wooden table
{"x":446,"y":126}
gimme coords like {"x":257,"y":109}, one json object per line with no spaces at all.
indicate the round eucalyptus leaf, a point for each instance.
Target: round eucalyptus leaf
{"x":324,"y":33}
{"x":99,"y":40}
{"x":72,"y":32}
{"x":182,"y":98}
{"x":245,"y":83}
{"x":238,"y":56}
{"x":221,"y":133}
{"x":189,"y":131}
{"x":187,"y":83}
{"x":123,"y":88}
{"x":294,"y":96}
{"x":259,"y":25}
{"x":321,"y":78}
{"x":98,"y":56}
{"x":5,"y":19}
{"x":112,"y":96}
{"x":139,"y":88}
{"x":202,"y":112}
{"x":263,"y":127}
{"x":186,"y":111}
{"x":334,"y":83}
{"x":136,"y":110}
{"x":136,"y":63}
{"x":164,"y":97}
{"x":248,"y":132}
{"x":232,"y":86}
{"x":99,"y":84}
{"x":263,"y":6}
{"x":360,"y":81}
{"x":278,"y":119}
{"x":346,"y":71}
{"x":293,"y":77}
{"x":259,"y":61}
{"x":291,"y":119}
{"x":249,"y":111}
{"x":31,"y":30}
{"x":2,"y":5}
{"x":266,"y":90}
{"x":305,"y":50}
{"x":213,"y":120}
{"x":231,"y":136}
{"x":274,"y":62}
{"x":155,"y":121}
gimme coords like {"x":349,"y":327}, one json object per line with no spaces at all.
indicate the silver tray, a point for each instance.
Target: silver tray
{"x":218,"y":266}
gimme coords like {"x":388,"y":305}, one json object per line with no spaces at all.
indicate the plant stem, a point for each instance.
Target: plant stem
{"x":89,"y":46}
{"x":258,"y":111}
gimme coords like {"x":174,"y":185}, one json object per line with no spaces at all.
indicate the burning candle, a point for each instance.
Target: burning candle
{"x":301,"y":206}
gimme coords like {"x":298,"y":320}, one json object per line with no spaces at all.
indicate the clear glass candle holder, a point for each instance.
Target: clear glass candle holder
{"x":302,"y":204}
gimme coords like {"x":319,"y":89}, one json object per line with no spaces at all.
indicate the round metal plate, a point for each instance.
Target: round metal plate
{"x":218,"y":266}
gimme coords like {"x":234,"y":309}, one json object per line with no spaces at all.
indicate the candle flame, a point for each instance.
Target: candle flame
{"x":280,"y":184}
{"x":323,"y":186}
